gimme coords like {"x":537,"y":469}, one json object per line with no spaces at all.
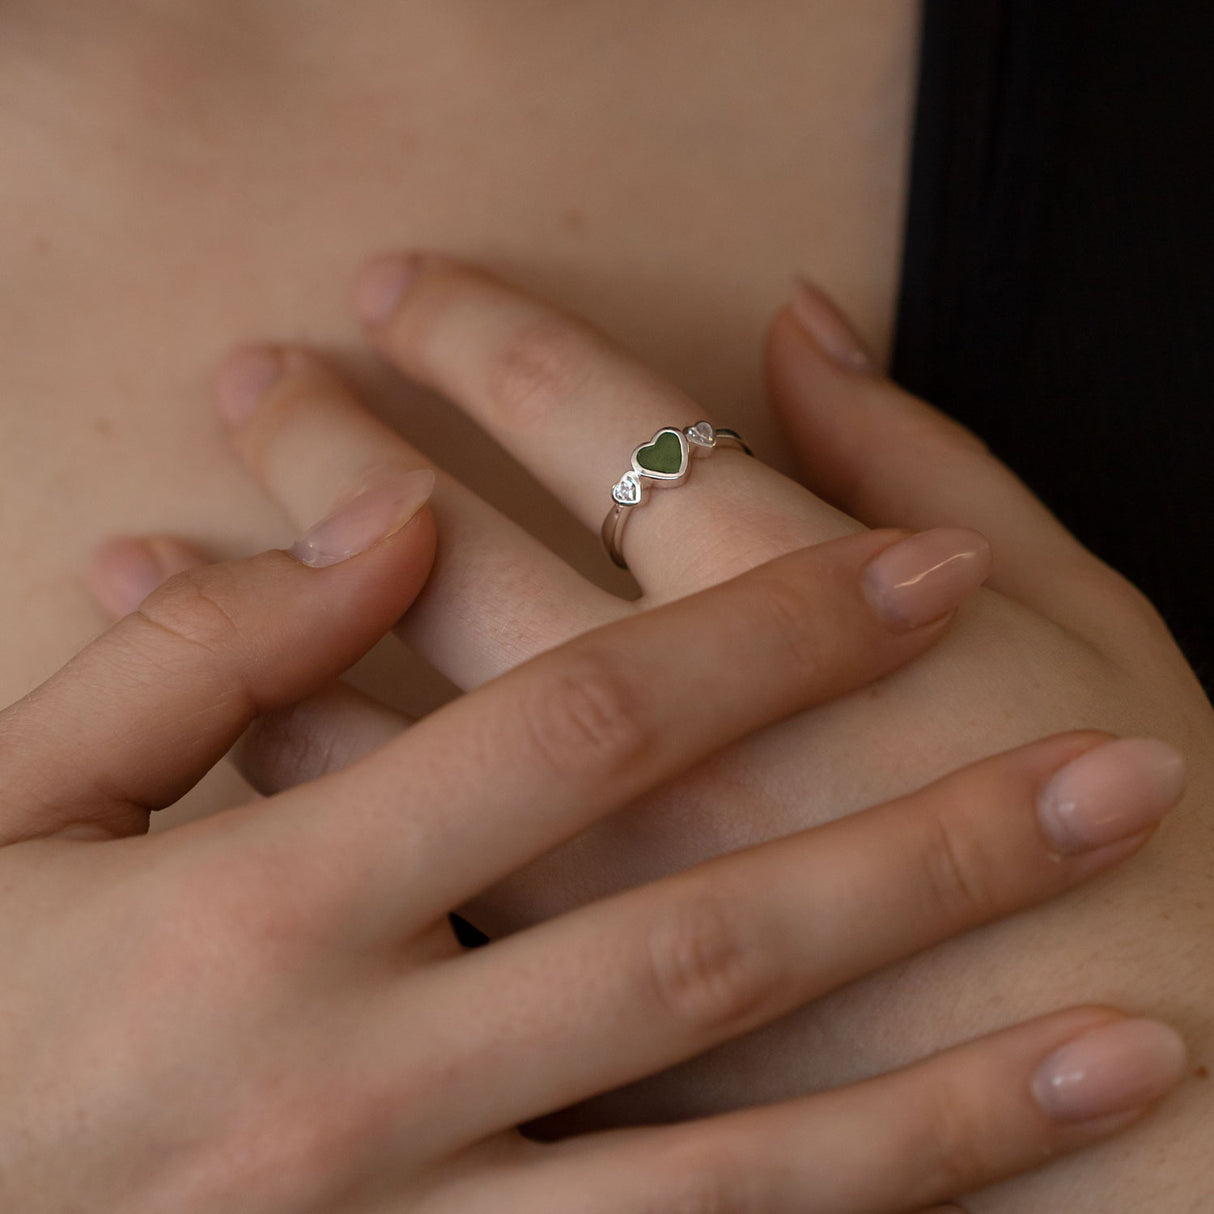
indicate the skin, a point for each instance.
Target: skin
{"x":114,"y":306}
{"x":184,"y":174}
{"x":306,"y":1027}
{"x":1062,"y":636}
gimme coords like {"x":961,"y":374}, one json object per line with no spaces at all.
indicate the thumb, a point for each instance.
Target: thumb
{"x":892,"y":460}
{"x":140,"y":715}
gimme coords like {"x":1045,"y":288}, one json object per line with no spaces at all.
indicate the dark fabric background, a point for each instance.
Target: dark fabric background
{"x":1056,"y":292}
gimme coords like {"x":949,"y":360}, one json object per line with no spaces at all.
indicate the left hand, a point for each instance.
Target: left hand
{"x":1058,"y":641}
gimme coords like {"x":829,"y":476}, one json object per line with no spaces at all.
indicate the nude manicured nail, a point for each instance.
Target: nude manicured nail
{"x":370,"y":517}
{"x":926,"y":576}
{"x":243,"y":380}
{"x":123,"y":572}
{"x":1117,"y":1068}
{"x":828,"y":327}
{"x":1117,"y":790}
{"x":381,"y":286}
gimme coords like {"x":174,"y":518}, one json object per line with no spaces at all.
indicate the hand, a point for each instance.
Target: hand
{"x":266,"y":1011}
{"x":1057,"y":640}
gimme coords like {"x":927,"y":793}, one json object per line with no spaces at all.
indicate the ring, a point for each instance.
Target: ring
{"x":661,"y":463}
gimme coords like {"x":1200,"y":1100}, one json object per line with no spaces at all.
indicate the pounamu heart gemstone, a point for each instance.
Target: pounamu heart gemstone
{"x":664,"y":454}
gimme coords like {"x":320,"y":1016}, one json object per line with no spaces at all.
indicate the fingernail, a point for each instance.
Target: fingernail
{"x":243,"y":380}
{"x":926,"y":576}
{"x":361,"y":523}
{"x":1117,"y":1068}
{"x":381,"y":286}
{"x":829,"y":328}
{"x":1110,"y":793}
{"x":124,"y":572}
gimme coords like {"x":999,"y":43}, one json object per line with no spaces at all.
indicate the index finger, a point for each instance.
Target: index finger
{"x":533,"y":758}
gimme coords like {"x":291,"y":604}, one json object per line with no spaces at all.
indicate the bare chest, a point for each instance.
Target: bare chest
{"x":172,"y":185}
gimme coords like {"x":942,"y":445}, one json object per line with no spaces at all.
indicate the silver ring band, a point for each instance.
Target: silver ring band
{"x":661,"y":463}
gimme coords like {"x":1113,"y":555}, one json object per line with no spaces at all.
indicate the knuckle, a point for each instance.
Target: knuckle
{"x":196,"y":607}
{"x":707,"y":1174}
{"x":1123,"y":596}
{"x":586,"y":721}
{"x":945,"y":438}
{"x":538,"y":369}
{"x":247,"y":906}
{"x":954,"y":1144}
{"x":709,"y":970}
{"x":959,"y":873}
{"x":784,"y":610}
{"x":288,"y":747}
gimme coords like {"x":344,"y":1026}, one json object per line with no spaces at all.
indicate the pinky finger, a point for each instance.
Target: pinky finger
{"x":303,"y":741}
{"x":950,"y":1124}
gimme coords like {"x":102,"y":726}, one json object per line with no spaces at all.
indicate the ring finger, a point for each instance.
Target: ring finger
{"x":312,"y":443}
{"x":572,"y":407}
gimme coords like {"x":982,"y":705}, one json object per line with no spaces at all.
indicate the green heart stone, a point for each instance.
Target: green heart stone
{"x":664,"y":454}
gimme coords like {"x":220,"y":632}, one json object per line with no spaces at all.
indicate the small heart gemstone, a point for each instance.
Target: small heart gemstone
{"x":628,"y":491}
{"x":663,"y":455}
{"x":702,"y":434}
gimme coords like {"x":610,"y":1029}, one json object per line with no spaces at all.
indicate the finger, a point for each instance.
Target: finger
{"x":124,"y":571}
{"x":572,"y":408}
{"x":675,"y":968}
{"x":530,"y":760}
{"x":307,"y":439}
{"x":967,"y":1117}
{"x":281,"y":748}
{"x":892,"y":460}
{"x":323,"y":733}
{"x":140,"y":715}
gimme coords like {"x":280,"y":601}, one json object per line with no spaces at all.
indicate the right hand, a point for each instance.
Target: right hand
{"x":266,"y":1011}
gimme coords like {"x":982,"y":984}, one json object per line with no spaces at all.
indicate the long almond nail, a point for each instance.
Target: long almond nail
{"x":828,"y":328}
{"x":926,"y":576}
{"x":123,"y":572}
{"x":1117,"y":1068}
{"x":1110,"y":793}
{"x":243,"y":380}
{"x":363,"y":522}
{"x":381,"y":285}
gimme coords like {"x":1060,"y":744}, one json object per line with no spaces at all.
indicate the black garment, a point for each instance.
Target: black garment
{"x":1056,"y":289}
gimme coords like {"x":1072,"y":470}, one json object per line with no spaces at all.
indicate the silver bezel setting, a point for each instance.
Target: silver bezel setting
{"x":664,"y":478}
{"x":629,"y":491}
{"x":702,"y":437}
